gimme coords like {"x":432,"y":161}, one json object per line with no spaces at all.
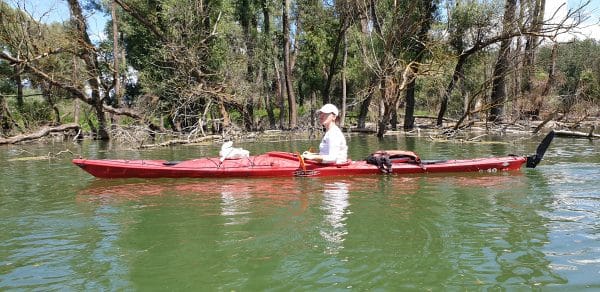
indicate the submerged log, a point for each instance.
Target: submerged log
{"x":575,"y":134}
{"x":181,"y":141}
{"x":39,"y":134}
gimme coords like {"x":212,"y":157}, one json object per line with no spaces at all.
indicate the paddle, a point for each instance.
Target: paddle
{"x":534,"y":160}
{"x":301,"y":160}
{"x":302,"y":171}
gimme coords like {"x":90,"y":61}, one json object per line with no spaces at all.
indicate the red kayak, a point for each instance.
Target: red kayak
{"x":284,"y":164}
{"x":278,"y":164}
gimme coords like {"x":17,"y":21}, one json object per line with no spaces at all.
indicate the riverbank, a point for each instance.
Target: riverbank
{"x":140,"y":137}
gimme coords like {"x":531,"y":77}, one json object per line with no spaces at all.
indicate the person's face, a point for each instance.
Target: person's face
{"x":326,"y":118}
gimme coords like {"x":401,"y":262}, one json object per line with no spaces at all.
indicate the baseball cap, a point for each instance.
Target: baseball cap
{"x":329,"y":109}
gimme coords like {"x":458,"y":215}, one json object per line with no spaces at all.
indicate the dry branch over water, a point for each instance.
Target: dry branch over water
{"x":39,"y":134}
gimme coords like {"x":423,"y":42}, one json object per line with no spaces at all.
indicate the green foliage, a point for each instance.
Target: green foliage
{"x":235,"y":116}
{"x":188,"y":58}
{"x":471,"y":20}
{"x":196,"y":54}
{"x":590,"y":85}
{"x":579,"y":64}
{"x":317,"y":39}
{"x":35,"y":112}
{"x":7,"y":85}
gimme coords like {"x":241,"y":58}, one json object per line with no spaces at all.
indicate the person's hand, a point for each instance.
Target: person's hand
{"x":309,"y":155}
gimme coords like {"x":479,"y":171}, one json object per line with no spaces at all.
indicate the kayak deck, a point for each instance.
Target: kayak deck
{"x":279,"y":164}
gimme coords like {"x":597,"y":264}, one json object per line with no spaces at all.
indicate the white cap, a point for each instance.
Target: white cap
{"x":329,"y":109}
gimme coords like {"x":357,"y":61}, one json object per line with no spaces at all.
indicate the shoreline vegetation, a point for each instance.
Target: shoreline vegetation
{"x":177,"y":72}
{"x":474,"y":132}
{"x":139,"y":139}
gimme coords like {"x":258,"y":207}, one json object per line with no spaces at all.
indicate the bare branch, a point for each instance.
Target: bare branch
{"x":143,"y":19}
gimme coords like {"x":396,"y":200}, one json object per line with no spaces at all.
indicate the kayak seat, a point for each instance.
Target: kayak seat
{"x":338,"y":165}
{"x":429,"y":162}
{"x":171,"y":163}
{"x":384,"y":159}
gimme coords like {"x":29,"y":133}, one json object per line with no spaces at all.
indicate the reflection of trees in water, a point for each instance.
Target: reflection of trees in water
{"x":498,"y":231}
{"x":458,"y":231}
{"x":571,"y":194}
{"x":519,"y":249}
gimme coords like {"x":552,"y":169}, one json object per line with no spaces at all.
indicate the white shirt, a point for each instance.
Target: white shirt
{"x":333,"y":146}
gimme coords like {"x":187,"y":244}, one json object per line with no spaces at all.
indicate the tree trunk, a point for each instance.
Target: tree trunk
{"x":86,"y":53}
{"x":4,"y":124}
{"x":287,"y":67}
{"x":394,"y":116}
{"x":384,"y":120}
{"x":344,"y":85}
{"x":498,"y":96}
{"x":46,"y":89}
{"x":76,"y":106}
{"x":19,"y":83}
{"x":224,"y":114}
{"x":364,"y":109}
{"x":336,"y":48}
{"x":76,"y":109}
{"x":269,"y":108}
{"x":116,"y":72}
{"x":537,"y":19}
{"x":390,"y":92}
{"x":409,"y":112}
{"x":248,"y":23}
{"x":268,"y":47}
{"x":551,"y":79}
{"x":462,"y":59}
{"x":428,"y":9}
{"x":364,"y":106}
{"x":280,"y":91}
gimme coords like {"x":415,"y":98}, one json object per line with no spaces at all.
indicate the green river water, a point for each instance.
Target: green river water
{"x":534,"y":229}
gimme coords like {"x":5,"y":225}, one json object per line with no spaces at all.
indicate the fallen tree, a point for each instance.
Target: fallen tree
{"x":39,"y":134}
{"x":181,"y":141}
{"x":575,"y":134}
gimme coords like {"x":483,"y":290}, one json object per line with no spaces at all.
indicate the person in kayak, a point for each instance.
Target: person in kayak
{"x":333,"y":147}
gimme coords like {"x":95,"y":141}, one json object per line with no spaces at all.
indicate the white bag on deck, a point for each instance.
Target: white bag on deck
{"x":230,"y":152}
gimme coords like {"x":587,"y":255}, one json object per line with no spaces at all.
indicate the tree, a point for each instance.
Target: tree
{"x":345,"y":12}
{"x":116,"y":55}
{"x":389,"y":49}
{"x":426,"y":13}
{"x":43,"y":52}
{"x":268,"y":62}
{"x":483,"y":36}
{"x":498,"y":95}
{"x":287,"y":67}
{"x":470,"y":24}
{"x":226,"y":63}
{"x":87,"y":54}
{"x":535,"y":11}
{"x":182,"y":58}
{"x":6,"y":88}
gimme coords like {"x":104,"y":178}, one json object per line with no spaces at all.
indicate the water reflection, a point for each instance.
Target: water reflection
{"x":573,"y":220}
{"x":335,"y":204}
{"x":234,"y":205}
{"x":501,"y":234}
{"x":481,"y":229}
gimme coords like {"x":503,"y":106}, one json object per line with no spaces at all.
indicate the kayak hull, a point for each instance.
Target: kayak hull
{"x":280,"y":164}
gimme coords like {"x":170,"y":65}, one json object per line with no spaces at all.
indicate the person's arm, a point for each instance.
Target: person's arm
{"x":312,"y":156}
{"x":336,"y":143}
